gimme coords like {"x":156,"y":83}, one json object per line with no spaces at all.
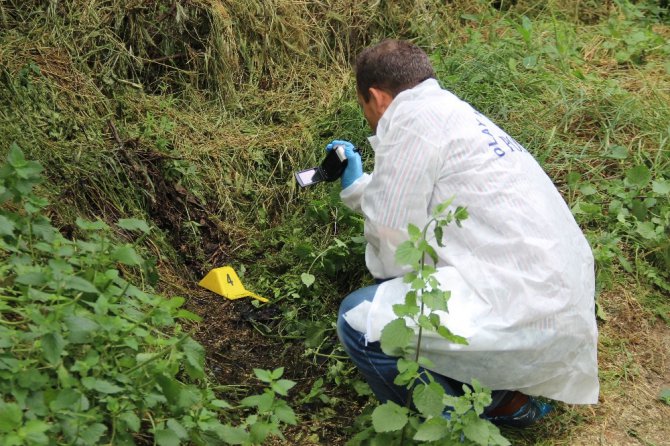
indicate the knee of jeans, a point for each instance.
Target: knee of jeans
{"x":351,"y":339}
{"x":342,"y":328}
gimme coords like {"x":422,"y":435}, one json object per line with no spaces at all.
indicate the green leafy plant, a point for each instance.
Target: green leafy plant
{"x":436,"y":417}
{"x":636,"y":213}
{"x":86,"y":357}
{"x":271,"y":411}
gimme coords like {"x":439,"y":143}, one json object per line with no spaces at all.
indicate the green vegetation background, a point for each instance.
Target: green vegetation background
{"x":193,"y":115}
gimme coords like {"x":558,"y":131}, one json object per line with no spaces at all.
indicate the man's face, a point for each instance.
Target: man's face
{"x":370,"y":111}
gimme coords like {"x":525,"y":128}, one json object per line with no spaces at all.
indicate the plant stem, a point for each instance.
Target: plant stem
{"x":408,"y":402}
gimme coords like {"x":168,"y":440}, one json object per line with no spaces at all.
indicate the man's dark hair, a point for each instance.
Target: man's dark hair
{"x":392,"y":66}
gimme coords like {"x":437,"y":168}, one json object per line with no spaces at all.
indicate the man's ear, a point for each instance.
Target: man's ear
{"x":381,"y":99}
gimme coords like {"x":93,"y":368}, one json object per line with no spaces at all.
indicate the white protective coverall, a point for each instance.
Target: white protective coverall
{"x":520,"y":271}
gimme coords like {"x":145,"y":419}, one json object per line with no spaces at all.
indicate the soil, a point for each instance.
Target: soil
{"x":233,"y":334}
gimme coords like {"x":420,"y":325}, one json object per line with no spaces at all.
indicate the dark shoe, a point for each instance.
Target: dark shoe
{"x":530,"y":413}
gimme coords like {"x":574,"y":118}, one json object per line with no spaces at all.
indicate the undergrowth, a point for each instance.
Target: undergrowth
{"x":86,"y":356}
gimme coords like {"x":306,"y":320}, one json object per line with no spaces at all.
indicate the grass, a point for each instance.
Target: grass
{"x":197,"y":122}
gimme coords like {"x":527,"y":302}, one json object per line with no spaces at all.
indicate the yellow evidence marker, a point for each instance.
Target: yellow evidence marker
{"x":224,"y":281}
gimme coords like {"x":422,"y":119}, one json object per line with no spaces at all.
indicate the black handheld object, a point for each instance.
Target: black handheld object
{"x":331,"y":168}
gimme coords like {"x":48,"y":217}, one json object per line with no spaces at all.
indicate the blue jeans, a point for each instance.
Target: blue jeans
{"x":380,"y":369}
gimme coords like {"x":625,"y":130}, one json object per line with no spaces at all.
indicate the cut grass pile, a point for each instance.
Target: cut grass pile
{"x":194,"y":115}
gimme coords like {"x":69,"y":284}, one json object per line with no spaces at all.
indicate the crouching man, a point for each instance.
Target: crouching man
{"x":520,"y":271}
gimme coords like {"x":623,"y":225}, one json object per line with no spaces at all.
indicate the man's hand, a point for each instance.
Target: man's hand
{"x":354,"y":169}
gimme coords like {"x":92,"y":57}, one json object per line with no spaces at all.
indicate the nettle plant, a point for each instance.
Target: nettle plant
{"x":430,"y":416}
{"x":86,"y":357}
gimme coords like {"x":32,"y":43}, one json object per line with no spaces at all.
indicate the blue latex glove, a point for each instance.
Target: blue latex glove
{"x":354,"y":169}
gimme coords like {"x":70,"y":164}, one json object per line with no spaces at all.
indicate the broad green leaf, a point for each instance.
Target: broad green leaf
{"x":405,"y":365}
{"x":79,"y":284}
{"x":6,"y":226}
{"x":448,"y":335}
{"x":661,"y":187}
{"x":362,"y":388}
{"x":177,"y":428}
{"x":425,"y":247}
{"x":171,"y":388}
{"x":10,"y":416}
{"x":15,"y":157}
{"x":405,"y":310}
{"x":32,"y":278}
{"x":414,"y":232}
{"x":101,"y":385}
{"x":285,"y":414}
{"x":407,"y":254}
{"x":70,"y":399}
{"x":195,"y":357}
{"x":131,"y":420}
{"x":639,"y":209}
{"x":263,"y":375}
{"x":34,"y":432}
{"x":408,"y":371}
{"x":460,"y":405}
{"x":389,"y":417}
{"x":234,"y":435}
{"x":166,"y":437}
{"x":260,"y":430}
{"x":82,"y":329}
{"x":432,"y":430}
{"x":647,"y":230}
{"x":410,"y":300}
{"x":52,"y":347}
{"x":283,"y":386}
{"x":5,"y":340}
{"x":477,"y":430}
{"x":263,"y":402}
{"x":92,"y":433}
{"x":315,"y":333}
{"x":30,"y":171}
{"x":173,"y":303}
{"x":428,"y":399}
{"x":638,"y":175}
{"x":396,"y":337}
{"x":496,"y":438}
{"x":133,"y":224}
{"x":277,"y":373}
{"x":436,"y":300}
{"x":307,"y":279}
{"x":617,"y":152}
{"x":588,"y":189}
{"x":221,"y":404}
{"x":425,"y":362}
{"x":573,"y":178}
{"x":88,"y":225}
{"x":187,"y":315}
{"x":418,"y":283}
{"x":127,"y":255}
{"x":425,"y":322}
{"x":434,"y":320}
